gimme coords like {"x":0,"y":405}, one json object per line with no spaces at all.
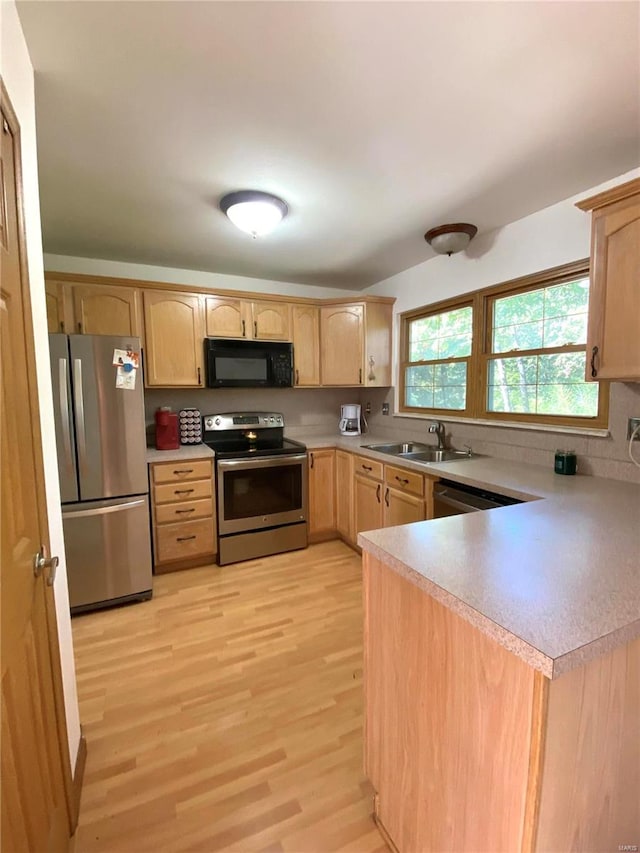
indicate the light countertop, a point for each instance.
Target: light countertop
{"x":556,"y":579}
{"x":185,"y":451}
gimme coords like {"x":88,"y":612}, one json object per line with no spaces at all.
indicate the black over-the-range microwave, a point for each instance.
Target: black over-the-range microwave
{"x":248,"y":364}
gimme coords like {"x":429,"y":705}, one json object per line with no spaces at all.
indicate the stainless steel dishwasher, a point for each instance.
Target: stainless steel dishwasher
{"x":451,"y":498}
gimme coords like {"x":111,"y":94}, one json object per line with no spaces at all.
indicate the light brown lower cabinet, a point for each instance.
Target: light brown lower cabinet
{"x":322,"y":501}
{"x":470,"y":748}
{"x":367,"y":499}
{"x":184,"y":520}
{"x":344,"y":495}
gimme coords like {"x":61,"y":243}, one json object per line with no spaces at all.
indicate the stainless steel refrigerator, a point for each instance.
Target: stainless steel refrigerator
{"x":100,"y":436}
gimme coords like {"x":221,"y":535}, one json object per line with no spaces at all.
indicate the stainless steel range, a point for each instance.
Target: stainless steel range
{"x":261,"y":485}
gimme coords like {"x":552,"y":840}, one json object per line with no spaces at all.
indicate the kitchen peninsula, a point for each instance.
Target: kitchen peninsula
{"x":502,"y":669}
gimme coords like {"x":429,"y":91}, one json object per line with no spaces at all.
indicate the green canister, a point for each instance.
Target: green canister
{"x":565,"y":462}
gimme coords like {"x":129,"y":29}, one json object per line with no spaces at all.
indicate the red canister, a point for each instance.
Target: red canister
{"x":167,"y":437}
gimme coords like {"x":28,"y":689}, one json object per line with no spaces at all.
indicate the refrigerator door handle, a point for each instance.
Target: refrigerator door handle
{"x":79,"y":400}
{"x":64,"y":413}
{"x":101,"y":510}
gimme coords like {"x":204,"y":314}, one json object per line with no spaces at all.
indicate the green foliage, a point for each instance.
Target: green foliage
{"x":446,"y":335}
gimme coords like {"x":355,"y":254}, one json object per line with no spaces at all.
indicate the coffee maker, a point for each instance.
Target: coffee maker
{"x":350,"y":419}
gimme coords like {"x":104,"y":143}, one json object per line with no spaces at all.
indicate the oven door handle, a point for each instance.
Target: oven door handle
{"x":260,"y":462}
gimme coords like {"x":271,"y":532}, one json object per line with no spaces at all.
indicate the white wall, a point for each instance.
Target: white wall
{"x":17,"y":73}
{"x":553,"y":236}
{"x":191,"y":278}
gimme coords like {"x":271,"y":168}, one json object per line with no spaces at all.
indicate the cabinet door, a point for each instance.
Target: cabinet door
{"x":402,"y":508}
{"x":322,"y":478}
{"x":367,"y":504}
{"x":344,"y":494}
{"x":174,"y":332}
{"x":306,"y":344}
{"x":613,"y":345}
{"x":54,"y":293}
{"x":101,"y":310}
{"x":270,"y":321}
{"x":342,"y":344}
{"x":226,"y":317}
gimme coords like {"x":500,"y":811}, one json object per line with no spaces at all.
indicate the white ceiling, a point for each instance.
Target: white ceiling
{"x":374,"y":121}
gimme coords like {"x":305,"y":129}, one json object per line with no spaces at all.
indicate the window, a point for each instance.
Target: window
{"x":515,"y":352}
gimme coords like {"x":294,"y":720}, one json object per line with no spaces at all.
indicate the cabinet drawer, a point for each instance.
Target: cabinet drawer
{"x":404,"y":480}
{"x":174,"y":492}
{"x":187,"y":511}
{"x":368,"y":467}
{"x":185,"y":540}
{"x":174,"y":472}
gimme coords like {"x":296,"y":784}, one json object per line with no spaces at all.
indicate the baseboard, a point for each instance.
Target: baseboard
{"x":78,"y":776}
{"x":179,"y":565}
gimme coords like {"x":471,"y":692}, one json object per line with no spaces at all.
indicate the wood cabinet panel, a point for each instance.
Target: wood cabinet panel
{"x":185,"y":540}
{"x":344,"y":495}
{"x":187,"y":511}
{"x":342,"y":344}
{"x":402,"y":508}
{"x":57,"y":321}
{"x":367,"y":504}
{"x":322,"y":484}
{"x":368,"y":467}
{"x":175,"y":472}
{"x":271,"y":321}
{"x":448,"y":723}
{"x":613,"y":346}
{"x":192,"y":490}
{"x":404,"y":480}
{"x":225,"y":317}
{"x":174,"y":333}
{"x":306,"y":344}
{"x":100,"y":310}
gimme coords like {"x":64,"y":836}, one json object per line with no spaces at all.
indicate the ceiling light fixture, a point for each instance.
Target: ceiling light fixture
{"x":252,"y":211}
{"x":450,"y":239}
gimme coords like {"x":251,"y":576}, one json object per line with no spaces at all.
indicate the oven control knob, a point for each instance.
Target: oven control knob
{"x":272,"y":420}
{"x":217,"y":422}
{"x":208,"y":423}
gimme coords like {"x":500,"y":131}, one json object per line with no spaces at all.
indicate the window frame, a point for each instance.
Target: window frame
{"x":482,"y":302}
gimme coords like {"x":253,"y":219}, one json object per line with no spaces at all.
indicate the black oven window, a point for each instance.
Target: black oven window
{"x":241,"y":368}
{"x":262,"y":491}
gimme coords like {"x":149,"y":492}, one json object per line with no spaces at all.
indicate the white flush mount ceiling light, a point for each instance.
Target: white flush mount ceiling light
{"x":450,"y":239}
{"x":252,"y":211}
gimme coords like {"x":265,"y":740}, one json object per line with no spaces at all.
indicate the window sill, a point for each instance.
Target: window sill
{"x":566,"y":430}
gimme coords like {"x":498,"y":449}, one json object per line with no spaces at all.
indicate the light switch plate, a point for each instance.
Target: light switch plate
{"x":631,"y":425}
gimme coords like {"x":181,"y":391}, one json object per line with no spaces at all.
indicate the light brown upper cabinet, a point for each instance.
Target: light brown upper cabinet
{"x":271,"y":321}
{"x":225,"y":317}
{"x":613,"y":338}
{"x":101,"y":310}
{"x":58,"y":319}
{"x":355,"y":344}
{"x":174,"y":333}
{"x":306,"y":345}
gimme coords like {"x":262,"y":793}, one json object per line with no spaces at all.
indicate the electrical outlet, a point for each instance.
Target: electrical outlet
{"x":632,"y":424}
{"x":385,"y":408}
{"x":367,"y":408}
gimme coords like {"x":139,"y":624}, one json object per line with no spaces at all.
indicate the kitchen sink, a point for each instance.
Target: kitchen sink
{"x":414,"y":451}
{"x":399,"y":449}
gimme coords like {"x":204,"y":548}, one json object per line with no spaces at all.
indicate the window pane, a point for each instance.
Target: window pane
{"x":542,"y":384}
{"x":446,"y":335}
{"x":550,"y":317}
{"x":437,"y":386}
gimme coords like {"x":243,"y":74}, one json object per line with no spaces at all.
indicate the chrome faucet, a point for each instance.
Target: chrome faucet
{"x":438,"y":428}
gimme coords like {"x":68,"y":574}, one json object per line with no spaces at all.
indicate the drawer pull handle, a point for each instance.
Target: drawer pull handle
{"x":367,"y":467}
{"x":183,"y":491}
{"x":180,"y":511}
{"x":183,"y":471}
{"x":378,"y":493}
{"x":184,"y":538}
{"x":386,"y":497}
{"x":401,"y":480}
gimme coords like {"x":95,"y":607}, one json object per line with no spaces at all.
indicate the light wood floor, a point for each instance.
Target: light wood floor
{"x":226,"y":713}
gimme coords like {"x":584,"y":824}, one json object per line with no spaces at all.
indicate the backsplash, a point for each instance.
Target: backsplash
{"x":599,"y":457}
{"x":314,"y":410}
